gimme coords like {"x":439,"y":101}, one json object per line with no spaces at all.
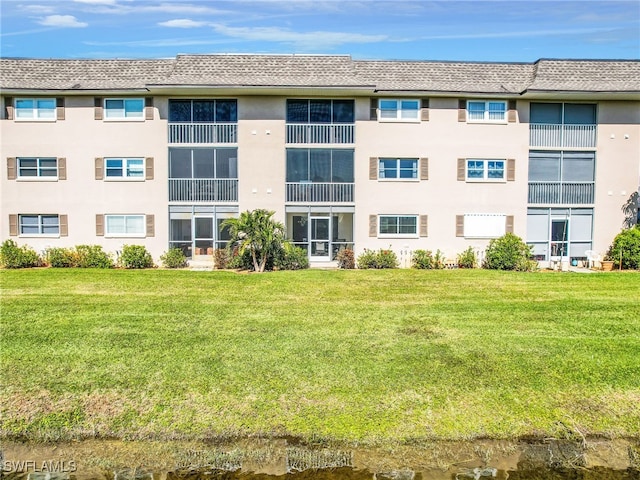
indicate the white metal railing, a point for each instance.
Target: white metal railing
{"x":203,"y":132}
{"x":577,"y":193}
{"x":203,"y":190}
{"x":319,"y":192}
{"x":320,"y":133}
{"x":558,"y":135}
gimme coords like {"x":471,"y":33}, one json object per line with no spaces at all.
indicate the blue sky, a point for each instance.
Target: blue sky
{"x":499,"y":30}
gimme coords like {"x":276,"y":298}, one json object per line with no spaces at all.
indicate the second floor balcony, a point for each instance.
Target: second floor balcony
{"x":203,"y":189}
{"x":320,"y":133}
{"x":562,"y":193}
{"x":562,"y":135}
{"x":199,"y":133}
{"x":313,"y":192}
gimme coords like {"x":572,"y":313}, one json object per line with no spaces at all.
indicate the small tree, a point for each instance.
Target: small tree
{"x":259,"y":234}
{"x":508,"y":252}
{"x":626,"y":248}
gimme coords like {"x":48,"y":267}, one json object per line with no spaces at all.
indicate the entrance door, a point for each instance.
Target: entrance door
{"x":559,"y":239}
{"x":320,"y":248}
{"x":203,"y":235}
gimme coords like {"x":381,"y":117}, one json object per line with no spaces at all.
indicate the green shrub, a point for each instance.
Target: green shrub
{"x":380,"y":259}
{"x":135,"y":256}
{"x":58,"y":257}
{"x":221,"y":258}
{"x":346,"y":259}
{"x":242,"y":261}
{"x":291,"y":257}
{"x":467,"y":259}
{"x":13,"y":256}
{"x":92,"y":256}
{"x":426,"y":260}
{"x":509,"y":252}
{"x":626,"y":245}
{"x":422,"y":259}
{"x":173,"y":258}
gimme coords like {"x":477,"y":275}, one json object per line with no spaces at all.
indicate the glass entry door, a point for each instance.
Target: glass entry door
{"x":320,"y":248}
{"x":559,"y":239}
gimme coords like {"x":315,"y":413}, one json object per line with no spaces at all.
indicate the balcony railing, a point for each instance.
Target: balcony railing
{"x":203,"y":133}
{"x":566,"y":136}
{"x":203,"y":190}
{"x":320,"y":133}
{"x":320,"y":192}
{"x":576,"y":193}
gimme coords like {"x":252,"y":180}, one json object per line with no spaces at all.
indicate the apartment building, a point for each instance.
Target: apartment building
{"x":364,"y":154}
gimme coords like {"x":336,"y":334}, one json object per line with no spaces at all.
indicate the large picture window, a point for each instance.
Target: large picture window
{"x":319,"y":165}
{"x":320,"y":111}
{"x":37,"y":167}
{"x":398,"y":225}
{"x":487,"y":111}
{"x":203,"y":163}
{"x":124,"y":108}
{"x":203,"y":111}
{"x":39,"y":224}
{"x":35,"y":108}
{"x":125,"y":225}
{"x":398,"y":110}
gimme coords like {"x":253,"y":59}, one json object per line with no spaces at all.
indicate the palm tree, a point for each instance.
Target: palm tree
{"x":259,"y":233}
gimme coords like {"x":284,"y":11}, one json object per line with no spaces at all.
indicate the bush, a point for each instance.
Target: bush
{"x":509,"y":252}
{"x":627,"y":245}
{"x":135,"y":256}
{"x":91,"y":256}
{"x":380,"y":259}
{"x":221,"y":258}
{"x":58,"y":257}
{"x":426,"y":260}
{"x":422,"y":259}
{"x":174,"y":258}
{"x":346,"y":259}
{"x":242,"y":261}
{"x":291,"y":257}
{"x":13,"y":256}
{"x":467,"y":259}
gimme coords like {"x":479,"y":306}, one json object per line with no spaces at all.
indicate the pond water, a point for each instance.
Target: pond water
{"x":265,"y":459}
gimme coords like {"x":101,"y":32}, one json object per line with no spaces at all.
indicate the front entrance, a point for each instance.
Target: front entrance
{"x":559,"y":239}
{"x":203,"y":235}
{"x":320,"y":239}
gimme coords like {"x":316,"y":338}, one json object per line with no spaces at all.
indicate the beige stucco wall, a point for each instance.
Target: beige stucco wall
{"x":262,"y":164}
{"x":80,"y":139}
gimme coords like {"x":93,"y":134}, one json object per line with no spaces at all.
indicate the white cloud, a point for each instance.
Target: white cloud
{"x":97,"y":2}
{"x":182,"y":23}
{"x":67,"y":21}
{"x":311,"y":40}
{"x":38,"y":9}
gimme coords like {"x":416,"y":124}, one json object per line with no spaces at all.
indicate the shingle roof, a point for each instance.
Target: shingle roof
{"x":587,"y":75}
{"x":81,"y":74}
{"x":264,"y":70}
{"x":447,"y":76}
{"x":322,"y":71}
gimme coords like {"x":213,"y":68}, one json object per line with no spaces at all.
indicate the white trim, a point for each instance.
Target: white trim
{"x":486,"y":112}
{"x":485,"y":170}
{"x":398,"y":178}
{"x":108,"y":234}
{"x":399,"y":235}
{"x":398,"y":118}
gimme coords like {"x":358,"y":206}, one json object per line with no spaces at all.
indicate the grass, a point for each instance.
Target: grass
{"x":351,"y":356}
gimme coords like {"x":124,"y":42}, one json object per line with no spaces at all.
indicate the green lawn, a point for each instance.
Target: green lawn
{"x":366,"y":356}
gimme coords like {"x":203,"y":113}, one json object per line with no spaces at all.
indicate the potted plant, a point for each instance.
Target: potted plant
{"x":607,"y":263}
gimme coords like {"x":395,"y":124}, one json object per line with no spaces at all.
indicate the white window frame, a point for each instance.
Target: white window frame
{"x":398,"y":234}
{"x":398,"y":178}
{"x":485,"y":225}
{"x":36,"y":113}
{"x":485,"y":170}
{"x":126,"y":233}
{"x":121,"y":114}
{"x":486,"y":117}
{"x":41,"y":225}
{"x":126,"y":168}
{"x":38,"y":168}
{"x":399,"y":110}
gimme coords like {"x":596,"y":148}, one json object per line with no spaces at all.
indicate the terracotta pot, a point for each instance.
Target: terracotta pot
{"x":607,"y":265}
